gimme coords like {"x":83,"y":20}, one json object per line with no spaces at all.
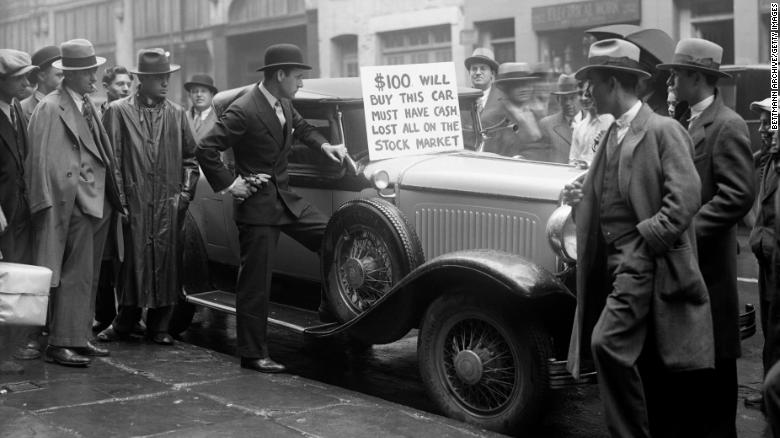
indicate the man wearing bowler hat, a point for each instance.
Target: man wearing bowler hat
{"x":259,"y":127}
{"x":201,"y":115}
{"x":724,"y":161}
{"x":156,"y":155}
{"x":638,"y":283}
{"x":557,"y":128}
{"x":45,"y":79}
{"x":73,"y":193}
{"x":15,"y":238}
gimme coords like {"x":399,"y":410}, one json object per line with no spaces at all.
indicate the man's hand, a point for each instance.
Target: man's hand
{"x":572,"y":193}
{"x":242,"y":188}
{"x":3,"y":221}
{"x":335,"y":152}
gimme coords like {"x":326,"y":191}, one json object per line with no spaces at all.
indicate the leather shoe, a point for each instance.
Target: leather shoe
{"x":92,"y":350}
{"x":111,"y":335}
{"x":25,"y":353}
{"x":162,"y":339}
{"x":266,"y":365}
{"x":65,"y":356}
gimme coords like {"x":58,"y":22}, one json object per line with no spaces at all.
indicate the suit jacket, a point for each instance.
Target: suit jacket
{"x":261,"y":145}
{"x":556,"y":132}
{"x":205,"y":125}
{"x":657,"y":177}
{"x":29,"y":104}
{"x":493,"y":111}
{"x":724,"y":162}
{"x":13,"y":191}
{"x":58,"y":133}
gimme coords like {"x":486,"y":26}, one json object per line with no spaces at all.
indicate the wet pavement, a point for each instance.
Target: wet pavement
{"x":333,"y":388}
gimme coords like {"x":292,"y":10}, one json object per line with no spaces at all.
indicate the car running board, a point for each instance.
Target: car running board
{"x":288,"y":317}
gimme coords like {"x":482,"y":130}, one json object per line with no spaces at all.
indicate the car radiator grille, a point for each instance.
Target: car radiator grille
{"x":443,"y":230}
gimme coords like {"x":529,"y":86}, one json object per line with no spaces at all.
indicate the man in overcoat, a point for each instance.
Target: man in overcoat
{"x":557,"y":128}
{"x":155,"y":152}
{"x":46,"y":79}
{"x":259,"y":127}
{"x":724,"y":162}
{"x":201,"y":115}
{"x":638,"y":283}
{"x":15,"y":238}
{"x":73,"y":193}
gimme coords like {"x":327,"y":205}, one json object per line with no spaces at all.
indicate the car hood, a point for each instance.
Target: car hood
{"x":478,"y":172}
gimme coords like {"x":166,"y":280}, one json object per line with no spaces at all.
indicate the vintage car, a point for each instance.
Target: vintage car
{"x":471,"y":248}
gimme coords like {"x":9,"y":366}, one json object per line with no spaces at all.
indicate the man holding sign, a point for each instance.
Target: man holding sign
{"x":259,"y":127}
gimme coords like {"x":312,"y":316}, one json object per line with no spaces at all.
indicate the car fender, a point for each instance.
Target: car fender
{"x":503,"y":278}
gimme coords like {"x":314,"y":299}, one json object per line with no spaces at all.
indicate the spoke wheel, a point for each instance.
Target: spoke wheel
{"x":480,"y":365}
{"x":364,"y":268}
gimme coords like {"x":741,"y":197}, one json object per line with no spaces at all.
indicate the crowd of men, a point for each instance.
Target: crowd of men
{"x":656,"y":212}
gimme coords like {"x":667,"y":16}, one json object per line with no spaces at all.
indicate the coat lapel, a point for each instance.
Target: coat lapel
{"x":9,"y":140}
{"x":562,"y":128}
{"x":77,"y":126}
{"x":698,"y":128}
{"x":636,"y":132}
{"x":268,"y":115}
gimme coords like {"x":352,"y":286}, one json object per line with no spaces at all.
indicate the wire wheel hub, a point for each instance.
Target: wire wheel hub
{"x":468,"y":366}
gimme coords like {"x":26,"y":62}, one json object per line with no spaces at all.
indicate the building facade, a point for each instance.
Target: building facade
{"x":227,"y":38}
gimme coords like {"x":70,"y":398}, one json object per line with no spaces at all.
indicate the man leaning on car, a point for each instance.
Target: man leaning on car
{"x":259,"y":127}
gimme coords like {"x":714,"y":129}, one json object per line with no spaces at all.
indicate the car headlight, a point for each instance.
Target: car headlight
{"x":562,"y":233}
{"x":380,"y":179}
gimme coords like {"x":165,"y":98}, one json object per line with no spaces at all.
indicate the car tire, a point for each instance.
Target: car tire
{"x":194,"y":273}
{"x":483,"y":366}
{"x":368,"y":247}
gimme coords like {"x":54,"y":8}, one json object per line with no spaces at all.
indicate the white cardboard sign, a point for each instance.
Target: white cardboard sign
{"x":411,"y":109}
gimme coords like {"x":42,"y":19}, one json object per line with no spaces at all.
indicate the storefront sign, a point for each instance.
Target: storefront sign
{"x":411,"y":109}
{"x":585,"y":14}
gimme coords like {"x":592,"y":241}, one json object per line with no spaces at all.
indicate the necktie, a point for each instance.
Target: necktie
{"x":612,"y":140}
{"x":279,"y":113}
{"x":13,"y":119}
{"x":86,"y":110}
{"x":197,"y":119}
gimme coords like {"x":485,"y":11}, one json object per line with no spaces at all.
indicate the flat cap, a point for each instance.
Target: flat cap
{"x":15,"y":63}
{"x":762,"y":105}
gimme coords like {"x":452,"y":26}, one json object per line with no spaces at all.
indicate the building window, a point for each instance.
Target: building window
{"x":498,"y":35}
{"x":417,"y":46}
{"x":714,"y":20}
{"x":345,"y":56}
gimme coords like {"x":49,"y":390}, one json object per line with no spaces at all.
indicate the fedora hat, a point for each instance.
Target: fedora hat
{"x":482,"y":55}
{"x":613,"y":54}
{"x":202,"y":80}
{"x":566,"y":85}
{"x":78,"y":54}
{"x":513,"y":73}
{"x":15,"y":63}
{"x":697,"y":54}
{"x":45,"y":56}
{"x":154,"y":62}
{"x":762,"y":105}
{"x":284,"y":55}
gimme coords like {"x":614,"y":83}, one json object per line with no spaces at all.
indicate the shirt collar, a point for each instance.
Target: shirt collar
{"x":203,"y":114}
{"x":624,"y":121}
{"x":699,"y":108}
{"x":39,"y":96}
{"x":76,"y":98}
{"x":271,"y":98}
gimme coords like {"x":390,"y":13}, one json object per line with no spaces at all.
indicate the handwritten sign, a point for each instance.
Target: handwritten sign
{"x":411,"y":109}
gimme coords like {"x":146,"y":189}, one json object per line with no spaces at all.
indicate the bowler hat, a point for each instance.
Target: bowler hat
{"x":202,"y":80}
{"x":482,"y":55}
{"x":14,"y":63}
{"x":762,"y":105}
{"x":284,"y":55}
{"x":154,"y":62}
{"x":45,"y":56}
{"x":566,"y":85}
{"x":512,"y":73}
{"x":613,"y":54}
{"x":697,"y":54}
{"x":78,"y":54}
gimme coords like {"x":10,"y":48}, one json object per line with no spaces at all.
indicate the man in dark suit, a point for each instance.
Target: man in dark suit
{"x":557,"y":128}
{"x":638,"y":284}
{"x":14,"y":208}
{"x":724,"y":162}
{"x":201,"y":116}
{"x":73,"y":188}
{"x":259,"y":127}
{"x":46,"y":79}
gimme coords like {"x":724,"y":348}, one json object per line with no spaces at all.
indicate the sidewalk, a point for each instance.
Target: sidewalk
{"x":146,"y":390}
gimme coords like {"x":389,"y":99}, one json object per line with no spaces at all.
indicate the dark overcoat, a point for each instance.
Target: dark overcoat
{"x":56,"y":138}
{"x":658,"y":179}
{"x":156,"y":171}
{"x":249,"y":126}
{"x":725,"y":165}
{"x":15,"y":240}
